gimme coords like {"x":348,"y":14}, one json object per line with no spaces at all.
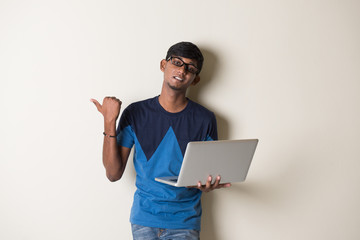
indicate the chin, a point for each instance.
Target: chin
{"x":176,"y":88}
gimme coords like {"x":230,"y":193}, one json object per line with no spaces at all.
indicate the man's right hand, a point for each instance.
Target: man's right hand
{"x":110,"y":108}
{"x":115,"y":156}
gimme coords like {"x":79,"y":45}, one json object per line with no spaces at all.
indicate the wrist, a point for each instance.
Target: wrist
{"x":110,"y":121}
{"x":110,"y":127}
{"x":109,"y":135}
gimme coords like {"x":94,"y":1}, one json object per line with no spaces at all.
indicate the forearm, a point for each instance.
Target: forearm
{"x":111,"y":154}
{"x":114,"y":157}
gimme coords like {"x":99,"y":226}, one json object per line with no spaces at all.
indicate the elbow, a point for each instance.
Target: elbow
{"x":113,"y":177}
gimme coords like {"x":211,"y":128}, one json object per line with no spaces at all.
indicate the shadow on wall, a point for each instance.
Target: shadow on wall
{"x":208,"y":228}
{"x":210,"y":67}
{"x":207,"y":74}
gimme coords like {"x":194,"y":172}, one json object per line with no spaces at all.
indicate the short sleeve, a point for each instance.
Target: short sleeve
{"x":212,"y":129}
{"x":125,"y":134}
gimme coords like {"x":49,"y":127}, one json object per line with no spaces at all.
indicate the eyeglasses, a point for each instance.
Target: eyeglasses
{"x":191,"y":68}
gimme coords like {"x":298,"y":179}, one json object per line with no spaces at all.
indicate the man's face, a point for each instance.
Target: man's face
{"x":179,"y":72}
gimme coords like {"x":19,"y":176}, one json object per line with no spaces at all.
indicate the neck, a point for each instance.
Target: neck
{"x":173,"y":101}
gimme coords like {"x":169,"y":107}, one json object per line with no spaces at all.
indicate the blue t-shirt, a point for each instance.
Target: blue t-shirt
{"x":160,"y":140}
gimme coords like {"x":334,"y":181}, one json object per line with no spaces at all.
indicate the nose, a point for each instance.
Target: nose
{"x":183,"y":69}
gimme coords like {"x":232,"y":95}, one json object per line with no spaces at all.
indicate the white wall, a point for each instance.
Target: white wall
{"x":286,"y":72}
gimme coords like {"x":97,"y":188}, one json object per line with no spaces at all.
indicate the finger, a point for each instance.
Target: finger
{"x":113,"y":98}
{"x":200,"y":186}
{"x":217,"y":182}
{"x":97,"y":104}
{"x":224,"y":185}
{"x":208,"y":182}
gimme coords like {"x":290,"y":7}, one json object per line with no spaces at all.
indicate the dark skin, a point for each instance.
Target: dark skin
{"x":172,"y":98}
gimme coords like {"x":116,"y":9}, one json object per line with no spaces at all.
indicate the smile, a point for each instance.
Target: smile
{"x":179,"y":79}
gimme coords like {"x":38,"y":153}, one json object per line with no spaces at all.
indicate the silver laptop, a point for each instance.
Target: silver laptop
{"x":230,"y":159}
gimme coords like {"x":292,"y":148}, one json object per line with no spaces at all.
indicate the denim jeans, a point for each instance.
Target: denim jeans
{"x":150,"y":233}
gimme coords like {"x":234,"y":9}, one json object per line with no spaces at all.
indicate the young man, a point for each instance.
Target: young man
{"x":160,"y":129}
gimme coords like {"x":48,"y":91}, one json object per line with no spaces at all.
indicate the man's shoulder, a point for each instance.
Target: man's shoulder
{"x":138,"y":111}
{"x":142,"y":103}
{"x":198,"y":108}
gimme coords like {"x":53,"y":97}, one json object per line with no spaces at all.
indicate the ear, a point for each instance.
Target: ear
{"x":162,"y":65}
{"x":196,"y":80}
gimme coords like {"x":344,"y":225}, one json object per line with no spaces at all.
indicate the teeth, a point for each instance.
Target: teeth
{"x":177,"y":78}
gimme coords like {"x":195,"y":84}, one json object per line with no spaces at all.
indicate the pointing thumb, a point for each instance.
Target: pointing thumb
{"x":96,"y":103}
